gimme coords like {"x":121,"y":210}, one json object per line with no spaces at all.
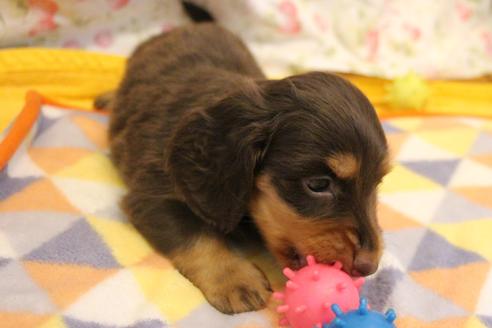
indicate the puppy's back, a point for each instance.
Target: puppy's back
{"x":185,"y":69}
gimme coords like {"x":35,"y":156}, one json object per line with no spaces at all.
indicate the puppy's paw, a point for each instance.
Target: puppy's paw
{"x":240,"y":287}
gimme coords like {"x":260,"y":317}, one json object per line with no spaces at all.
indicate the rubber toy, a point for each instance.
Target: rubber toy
{"x":408,"y":91}
{"x":361,"y":318}
{"x":312,"y":290}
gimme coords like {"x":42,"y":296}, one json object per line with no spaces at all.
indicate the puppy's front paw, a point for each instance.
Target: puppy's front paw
{"x":239,"y":287}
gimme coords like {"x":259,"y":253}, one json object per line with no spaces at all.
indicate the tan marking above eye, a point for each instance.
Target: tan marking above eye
{"x":344,"y":165}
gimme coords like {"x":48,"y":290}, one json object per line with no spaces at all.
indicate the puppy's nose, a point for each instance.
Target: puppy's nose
{"x":364,"y":265}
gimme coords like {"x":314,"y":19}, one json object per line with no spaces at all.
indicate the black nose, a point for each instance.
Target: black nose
{"x":364,"y":266}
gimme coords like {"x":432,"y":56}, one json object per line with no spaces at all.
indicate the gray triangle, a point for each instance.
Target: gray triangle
{"x":80,"y":244}
{"x":412,"y":299}
{"x":98,"y":117}
{"x":44,"y":123}
{"x":487,"y":320}
{"x":436,"y":252}
{"x":439,"y":171}
{"x":389,"y":128}
{"x":455,"y":208}
{"x":10,"y":186}
{"x":404,"y":243}
{"x":20,"y":293}
{"x":4,"y":261}
{"x":28,"y":230}
{"x":205,"y":316}
{"x":377,"y":289}
{"x":483,"y":144}
{"x":76,"y":323}
{"x":151,"y":323}
{"x":63,"y":133}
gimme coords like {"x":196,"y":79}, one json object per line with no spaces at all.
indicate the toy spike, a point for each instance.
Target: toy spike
{"x":289,"y":273}
{"x":337,"y":310}
{"x":341,"y":287}
{"x":301,"y":308}
{"x":363,"y":306}
{"x":292,"y":285}
{"x":358,"y":282}
{"x":338,"y":265}
{"x":310,"y":260}
{"x":339,"y":323}
{"x":390,"y":315}
{"x":315,"y":275}
{"x":282,"y":308}
{"x":278,"y":296}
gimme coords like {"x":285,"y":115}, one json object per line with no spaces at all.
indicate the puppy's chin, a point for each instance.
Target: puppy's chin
{"x":291,"y":257}
{"x":295,"y":257}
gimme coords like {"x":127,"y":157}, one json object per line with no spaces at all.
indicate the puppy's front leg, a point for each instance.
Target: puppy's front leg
{"x":229,"y":282}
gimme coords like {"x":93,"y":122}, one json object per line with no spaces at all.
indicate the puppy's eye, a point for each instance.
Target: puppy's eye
{"x":318,"y":185}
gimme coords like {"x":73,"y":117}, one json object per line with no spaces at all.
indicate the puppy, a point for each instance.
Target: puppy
{"x":203,"y":139}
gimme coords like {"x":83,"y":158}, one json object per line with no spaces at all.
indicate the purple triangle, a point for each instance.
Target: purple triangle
{"x":44,"y":124}
{"x":10,"y":186}
{"x":79,"y":244}
{"x":439,"y":171}
{"x":101,"y":118}
{"x":154,"y":323}
{"x":389,"y":128}
{"x":487,"y":320}
{"x":3,"y":261}
{"x":75,"y":323}
{"x":378,"y":288}
{"x":436,"y":252}
{"x":455,"y":208}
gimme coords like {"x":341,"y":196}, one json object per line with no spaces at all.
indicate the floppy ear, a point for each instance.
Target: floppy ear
{"x":213,"y":156}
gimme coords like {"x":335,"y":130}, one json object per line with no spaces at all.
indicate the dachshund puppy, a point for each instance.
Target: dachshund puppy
{"x":203,"y":139}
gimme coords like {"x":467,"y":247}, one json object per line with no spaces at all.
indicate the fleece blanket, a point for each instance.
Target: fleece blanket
{"x":69,"y":258}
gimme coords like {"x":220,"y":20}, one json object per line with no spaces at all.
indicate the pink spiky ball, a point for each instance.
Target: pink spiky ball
{"x":311,"y":291}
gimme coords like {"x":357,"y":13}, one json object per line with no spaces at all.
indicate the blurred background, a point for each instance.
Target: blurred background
{"x":439,"y":39}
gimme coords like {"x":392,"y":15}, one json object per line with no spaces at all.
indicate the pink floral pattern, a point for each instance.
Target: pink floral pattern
{"x":104,"y":38}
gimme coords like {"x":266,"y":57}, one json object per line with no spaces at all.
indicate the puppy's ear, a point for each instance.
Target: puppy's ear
{"x":214,"y":153}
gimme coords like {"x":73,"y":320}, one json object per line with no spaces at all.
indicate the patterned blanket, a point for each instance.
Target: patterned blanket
{"x":69,"y":258}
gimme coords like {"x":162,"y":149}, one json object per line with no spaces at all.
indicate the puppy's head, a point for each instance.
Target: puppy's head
{"x":303,"y":155}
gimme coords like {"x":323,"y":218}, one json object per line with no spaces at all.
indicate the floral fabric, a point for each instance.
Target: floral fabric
{"x":387,"y":38}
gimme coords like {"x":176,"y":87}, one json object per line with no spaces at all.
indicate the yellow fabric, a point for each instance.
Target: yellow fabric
{"x":72,"y":77}
{"x":75,"y":77}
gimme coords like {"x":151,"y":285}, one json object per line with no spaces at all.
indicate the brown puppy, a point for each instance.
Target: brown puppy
{"x":202,"y":139}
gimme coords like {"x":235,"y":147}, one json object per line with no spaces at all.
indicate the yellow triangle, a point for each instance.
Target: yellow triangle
{"x":126,"y":244}
{"x":462,"y":284}
{"x":473,"y":322}
{"x":406,"y":123}
{"x":173,"y":294}
{"x":457,"y":141}
{"x":470,"y":235}
{"x":411,"y":322}
{"x":402,"y":179}
{"x":54,"y":322}
{"x":95,"y":167}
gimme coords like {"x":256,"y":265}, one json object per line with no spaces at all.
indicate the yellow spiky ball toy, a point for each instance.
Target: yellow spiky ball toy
{"x":408,"y":91}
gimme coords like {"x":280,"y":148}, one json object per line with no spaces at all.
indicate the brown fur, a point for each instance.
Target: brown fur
{"x":203,"y":139}
{"x":282,"y":227}
{"x":344,"y":165}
